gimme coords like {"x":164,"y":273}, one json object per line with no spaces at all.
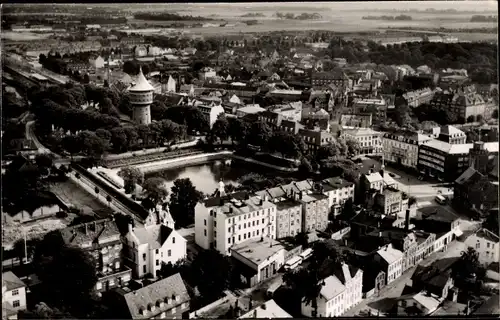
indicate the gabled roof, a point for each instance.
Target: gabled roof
{"x":154,"y":235}
{"x":487,"y":235}
{"x":269,"y":310}
{"x":389,"y":254}
{"x":468,"y":174}
{"x":165,"y":290}
{"x":90,"y":232}
{"x":332,"y":288}
{"x":11,"y":281}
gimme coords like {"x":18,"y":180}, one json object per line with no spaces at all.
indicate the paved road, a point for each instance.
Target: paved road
{"x":394,"y":290}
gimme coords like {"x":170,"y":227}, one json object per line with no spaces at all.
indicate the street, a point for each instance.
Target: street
{"x":390,"y":293}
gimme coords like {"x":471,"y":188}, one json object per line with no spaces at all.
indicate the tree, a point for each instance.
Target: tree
{"x":237,"y":129}
{"x":348,"y":210}
{"x":119,"y":139}
{"x":353,"y":147}
{"x":44,"y":161}
{"x":305,"y":166}
{"x":92,"y":144}
{"x":491,"y":222}
{"x":220,"y":128}
{"x":470,"y":119}
{"x":131,"y":67}
{"x":131,"y":177}
{"x":183,"y":200}
{"x":212,"y":272}
{"x":68,"y":274}
{"x":468,"y":271}
{"x":155,"y":190}
{"x":72,"y":144}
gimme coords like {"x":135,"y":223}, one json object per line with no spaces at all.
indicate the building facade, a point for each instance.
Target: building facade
{"x":224,"y":221}
{"x":147,"y":248}
{"x":141,"y":98}
{"x":100,"y":238}
{"x":13,"y":295}
{"x":392,"y":262}
{"x":369,"y":140}
{"x":402,"y":147}
{"x":486,"y":244}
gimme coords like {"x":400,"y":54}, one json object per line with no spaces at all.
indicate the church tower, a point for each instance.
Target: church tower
{"x":141,"y":98}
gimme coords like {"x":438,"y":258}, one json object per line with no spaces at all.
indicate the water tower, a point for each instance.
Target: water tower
{"x":141,"y":97}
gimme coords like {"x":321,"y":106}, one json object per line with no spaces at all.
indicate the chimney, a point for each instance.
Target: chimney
{"x":407,"y":220}
{"x":86,"y":228}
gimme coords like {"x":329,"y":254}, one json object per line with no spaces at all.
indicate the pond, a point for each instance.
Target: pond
{"x":206,"y":177}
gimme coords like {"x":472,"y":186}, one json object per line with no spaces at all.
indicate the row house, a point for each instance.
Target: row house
{"x":339,"y":191}
{"x":210,"y":108}
{"x":223,"y":221}
{"x":101,"y":238}
{"x":401,"y":147}
{"x":356,"y":120}
{"x":391,"y":261}
{"x":147,"y":248}
{"x":369,"y":140}
{"x":417,"y":98}
{"x":440,"y":221}
{"x":288,"y":212}
{"x":339,"y":293}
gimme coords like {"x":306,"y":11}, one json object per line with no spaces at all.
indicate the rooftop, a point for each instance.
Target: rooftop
{"x":154,"y":235}
{"x":487,"y":235}
{"x":332,"y":288}
{"x":85,"y":234}
{"x":170,"y":291}
{"x":438,"y":213}
{"x":389,"y":254}
{"x":269,"y":310}
{"x":141,"y":84}
{"x":11,"y":281}
{"x":257,"y":250}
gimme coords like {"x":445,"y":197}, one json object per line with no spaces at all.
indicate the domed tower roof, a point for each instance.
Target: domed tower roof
{"x":141,"y":83}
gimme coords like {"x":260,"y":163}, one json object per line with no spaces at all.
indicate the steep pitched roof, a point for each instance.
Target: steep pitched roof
{"x":90,"y":232}
{"x":141,"y":84}
{"x":171,"y":291}
{"x":332,"y":288}
{"x":154,"y":235}
{"x":11,"y":281}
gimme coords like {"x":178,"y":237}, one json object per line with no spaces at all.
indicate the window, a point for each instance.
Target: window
{"x":144,"y":269}
{"x":16,"y":303}
{"x":169,"y":253}
{"x":157,"y":251}
{"x":239,"y":227}
{"x":143,"y":257}
{"x":157,"y":262}
{"x":173,"y":310}
{"x":239,"y":237}
{"x":229,"y":240}
{"x":257,"y":232}
{"x":487,"y":245}
{"x":205,"y":232}
{"x":173,"y":239}
{"x":244,"y":236}
{"x":478,"y":245}
{"x":205,"y":221}
{"x":15,"y":292}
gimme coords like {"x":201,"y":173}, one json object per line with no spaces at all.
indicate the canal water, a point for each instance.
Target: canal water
{"x":206,"y":177}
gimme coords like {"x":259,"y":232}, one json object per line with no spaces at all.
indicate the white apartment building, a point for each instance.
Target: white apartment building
{"x":391,"y":261}
{"x":146,"y":248}
{"x":402,"y":147}
{"x":222,"y":222}
{"x":378,"y":180}
{"x":485,"y":243}
{"x":207,"y":73}
{"x":340,"y":292}
{"x":211,"y":109}
{"x":13,"y":295}
{"x":338,"y":191}
{"x":369,"y":140}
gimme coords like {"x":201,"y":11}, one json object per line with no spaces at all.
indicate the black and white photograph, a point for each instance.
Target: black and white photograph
{"x":258,"y":160}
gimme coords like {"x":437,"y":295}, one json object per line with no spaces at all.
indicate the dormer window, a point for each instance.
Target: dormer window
{"x":142,"y":311}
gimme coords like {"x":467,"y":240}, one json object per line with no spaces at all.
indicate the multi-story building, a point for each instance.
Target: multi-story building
{"x":147,"y":248}
{"x":210,"y":107}
{"x":337,"y":77}
{"x":377,"y":107}
{"x":440,"y":221}
{"x":165,"y":299}
{"x":448,"y":156}
{"x":223,"y":221}
{"x":418,"y":97}
{"x":402,"y":147}
{"x":377,"y":180}
{"x":356,"y":120}
{"x":330,"y":301}
{"x":389,"y":201}
{"x":391,"y":260}
{"x":486,"y":244}
{"x":270,"y":309}
{"x":338,"y":191}
{"x":291,"y":111}
{"x":369,"y":140}
{"x":339,"y":293}
{"x":97,"y":62}
{"x":463,"y":102}
{"x":314,"y":139}
{"x":13,"y":295}
{"x":207,"y":73}
{"x":100,"y":238}
{"x":288,"y":212}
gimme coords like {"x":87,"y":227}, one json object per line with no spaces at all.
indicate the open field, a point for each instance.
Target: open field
{"x":24,"y":36}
